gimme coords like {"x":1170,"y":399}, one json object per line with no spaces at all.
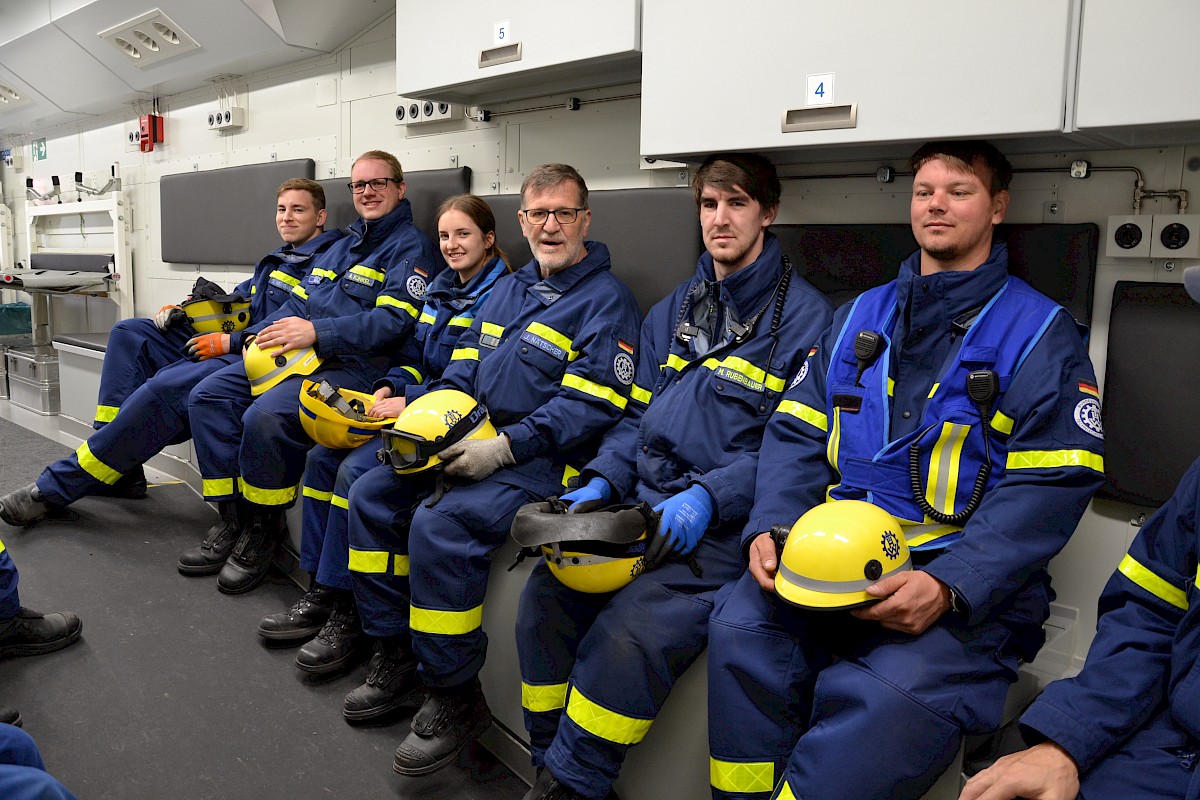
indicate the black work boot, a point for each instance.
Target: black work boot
{"x":338,"y":644}
{"x":448,"y":720}
{"x":547,"y":787}
{"x":130,"y":486}
{"x":32,"y":634}
{"x":10,"y":716}
{"x":25,"y":506}
{"x":392,"y":684}
{"x":302,"y":621}
{"x":209,"y":556}
{"x":251,"y":557}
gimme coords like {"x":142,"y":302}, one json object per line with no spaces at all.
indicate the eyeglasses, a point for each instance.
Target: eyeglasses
{"x":538,"y":216}
{"x":377,"y":184}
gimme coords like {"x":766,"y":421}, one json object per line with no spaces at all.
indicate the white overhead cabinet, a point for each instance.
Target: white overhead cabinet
{"x":1138,"y":80}
{"x":770,"y":75}
{"x":488,"y":51}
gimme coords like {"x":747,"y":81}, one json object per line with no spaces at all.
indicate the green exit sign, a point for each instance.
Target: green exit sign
{"x":39,"y":149}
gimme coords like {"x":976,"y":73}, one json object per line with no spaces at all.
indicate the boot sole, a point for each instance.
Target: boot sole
{"x":299,"y":636}
{"x":41,"y":648}
{"x":210,"y":569}
{"x":412,"y":699}
{"x":331,"y":667}
{"x":445,"y":760}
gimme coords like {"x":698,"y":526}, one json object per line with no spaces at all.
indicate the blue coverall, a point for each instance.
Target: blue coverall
{"x":843,"y":708}
{"x":696,"y":416}
{"x":545,"y":357}
{"x":10,"y":600}
{"x":362,"y":297}
{"x":155,"y":415}
{"x":449,"y":310}
{"x":23,"y":774}
{"x":1131,"y":717}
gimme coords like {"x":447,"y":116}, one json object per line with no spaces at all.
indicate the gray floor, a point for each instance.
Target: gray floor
{"x":171,"y":694}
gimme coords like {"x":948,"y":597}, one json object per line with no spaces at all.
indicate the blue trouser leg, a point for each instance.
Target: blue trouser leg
{"x":22,"y":773}
{"x":1157,"y":761}
{"x":10,"y":600}
{"x":451,"y":547}
{"x":333,"y":568}
{"x":381,"y":507}
{"x":320,"y":472}
{"x":215,"y":409}
{"x":152,"y":417}
{"x":136,"y":350}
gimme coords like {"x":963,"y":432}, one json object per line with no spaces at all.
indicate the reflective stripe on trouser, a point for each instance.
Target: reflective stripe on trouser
{"x":334,"y":568}
{"x":620,"y":653}
{"x":136,"y":350}
{"x":451,"y":547}
{"x":274,"y":444}
{"x":154,"y":416}
{"x":10,"y":600}
{"x":215,"y":409}
{"x":865,"y":711}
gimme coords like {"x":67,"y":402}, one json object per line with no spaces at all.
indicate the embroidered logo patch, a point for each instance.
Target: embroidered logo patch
{"x":800,"y":376}
{"x":1087,"y":417}
{"x":415,"y":286}
{"x":891,"y":545}
{"x":623,"y":367}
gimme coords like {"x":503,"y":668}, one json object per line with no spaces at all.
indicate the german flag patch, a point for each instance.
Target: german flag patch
{"x":421,"y":272}
{"x":1089,"y":388}
{"x":626,"y":346}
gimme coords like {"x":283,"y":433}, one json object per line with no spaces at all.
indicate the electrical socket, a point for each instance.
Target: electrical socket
{"x":413,"y":112}
{"x":226,"y":119}
{"x":133,"y":140}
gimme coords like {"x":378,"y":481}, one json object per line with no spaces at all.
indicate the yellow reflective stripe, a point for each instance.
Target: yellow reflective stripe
{"x":640,"y":394}
{"x":340,"y":502}
{"x":944,"y":464}
{"x":834,"y":440}
{"x":324,"y":497}
{"x":299,"y":292}
{"x":399,"y":564}
{"x":218,"y":487}
{"x":676,"y":363}
{"x":594,"y":389}
{"x":95,"y":467}
{"x":1,"y":547}
{"x":543,"y":698}
{"x":917,"y":535}
{"x":388,"y":300}
{"x":106,"y":413}
{"x":736,"y":778}
{"x":1002,"y":423}
{"x":324,"y":273}
{"x":254,"y":290}
{"x":414,"y":372}
{"x":1047,"y":459}
{"x":891,"y":387}
{"x":461,"y":322}
{"x":551,"y":335}
{"x":1198,"y":576}
{"x":369,"y":562}
{"x":744,"y":368}
{"x":280,"y":276}
{"x":568,"y":473}
{"x":492,"y":329}
{"x":373,"y":274}
{"x":447,"y":623}
{"x":804,"y":414}
{"x":932,"y":391}
{"x":268,"y":497}
{"x":785,"y":791}
{"x":426,"y":318}
{"x":464,"y":354}
{"x":600,"y":721}
{"x":1152,"y":583}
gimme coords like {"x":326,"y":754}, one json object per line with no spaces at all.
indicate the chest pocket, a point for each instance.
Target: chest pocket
{"x":730,"y":384}
{"x":543,"y":353}
{"x":362,"y":283}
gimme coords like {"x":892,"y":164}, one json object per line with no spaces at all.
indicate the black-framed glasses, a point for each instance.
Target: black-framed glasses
{"x":378,"y":184}
{"x":538,"y":216}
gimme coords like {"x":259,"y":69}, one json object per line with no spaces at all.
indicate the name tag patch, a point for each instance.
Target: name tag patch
{"x":544,"y":345}
{"x":733,"y":376}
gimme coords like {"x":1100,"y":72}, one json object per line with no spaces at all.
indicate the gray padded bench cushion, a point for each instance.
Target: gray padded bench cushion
{"x":86,"y":341}
{"x":1151,"y":391}
{"x":72,"y":262}
{"x":425,"y":190}
{"x":223,"y":216}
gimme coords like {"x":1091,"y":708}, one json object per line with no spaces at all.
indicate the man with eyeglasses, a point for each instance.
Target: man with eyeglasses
{"x":355,"y":305}
{"x":551,"y":357}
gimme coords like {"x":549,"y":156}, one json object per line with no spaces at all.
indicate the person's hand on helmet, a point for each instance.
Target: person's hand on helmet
{"x":208,"y":345}
{"x":475,"y":459}
{"x":169,"y":317}
{"x":685,"y":518}
{"x":589,"y":497}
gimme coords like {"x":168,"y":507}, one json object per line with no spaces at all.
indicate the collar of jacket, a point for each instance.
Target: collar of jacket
{"x":304,"y":250}
{"x":446,"y":290}
{"x":958,"y":291}
{"x":746,"y":290}
{"x":550,"y":289}
{"x":373,"y":232}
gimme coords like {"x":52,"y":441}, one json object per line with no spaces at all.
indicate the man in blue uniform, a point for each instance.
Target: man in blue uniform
{"x":714,"y":356}
{"x":962,"y":402}
{"x":1128,"y":725}
{"x":155,"y":414}
{"x":356,"y":305}
{"x":547,"y":357}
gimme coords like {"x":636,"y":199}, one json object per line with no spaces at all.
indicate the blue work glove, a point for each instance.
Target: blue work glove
{"x":593,"y":495}
{"x":685,"y":518}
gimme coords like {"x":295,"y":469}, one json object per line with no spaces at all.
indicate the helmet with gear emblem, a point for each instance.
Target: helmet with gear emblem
{"x":337,"y":418}
{"x":594,"y":551}
{"x":430,"y":424}
{"x":210,"y":309}
{"x":835,"y":551}
{"x":265,"y":370}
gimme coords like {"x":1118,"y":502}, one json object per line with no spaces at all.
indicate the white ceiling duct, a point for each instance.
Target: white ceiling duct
{"x":69,"y":58}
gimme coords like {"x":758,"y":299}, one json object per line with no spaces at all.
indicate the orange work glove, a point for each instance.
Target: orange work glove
{"x":208,"y":345}
{"x":169,"y":316}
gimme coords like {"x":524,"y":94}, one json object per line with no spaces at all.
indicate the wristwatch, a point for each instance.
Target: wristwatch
{"x":956,"y":603}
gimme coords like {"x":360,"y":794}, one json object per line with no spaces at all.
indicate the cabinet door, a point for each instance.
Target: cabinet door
{"x":749,"y":75}
{"x":476,"y":51}
{"x":1137,"y":66}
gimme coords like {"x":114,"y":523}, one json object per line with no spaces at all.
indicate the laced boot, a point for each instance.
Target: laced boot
{"x":448,"y":720}
{"x":302,"y":621}
{"x":338,"y":644}
{"x":32,"y":634}
{"x":25,"y":506}
{"x":130,"y":486}
{"x":251,"y":557}
{"x":209,"y":556}
{"x":392,"y":683}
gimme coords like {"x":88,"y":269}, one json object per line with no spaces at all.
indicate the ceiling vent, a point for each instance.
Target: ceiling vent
{"x":11,"y":99}
{"x":150,"y":39}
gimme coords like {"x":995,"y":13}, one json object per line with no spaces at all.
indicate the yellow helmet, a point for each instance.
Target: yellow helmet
{"x":430,"y":424}
{"x":336,"y":417}
{"x":835,"y":551}
{"x":214,"y":316}
{"x":265,"y":370}
{"x":595,"y":551}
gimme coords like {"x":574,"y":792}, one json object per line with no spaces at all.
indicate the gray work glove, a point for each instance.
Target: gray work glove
{"x":475,"y":459}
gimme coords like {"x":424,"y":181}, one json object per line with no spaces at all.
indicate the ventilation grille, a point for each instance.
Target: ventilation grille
{"x":150,"y":39}
{"x":11,"y":99}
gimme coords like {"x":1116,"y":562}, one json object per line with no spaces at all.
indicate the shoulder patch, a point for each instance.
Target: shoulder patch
{"x":1087,"y":417}
{"x":803,"y":373}
{"x":623,"y":368}
{"x":415,"y":286}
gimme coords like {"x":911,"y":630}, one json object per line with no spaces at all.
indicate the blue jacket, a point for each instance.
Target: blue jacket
{"x":1143,"y":660}
{"x":362,"y":294}
{"x":697,"y":408}
{"x":1045,"y":420}
{"x":545,"y":357}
